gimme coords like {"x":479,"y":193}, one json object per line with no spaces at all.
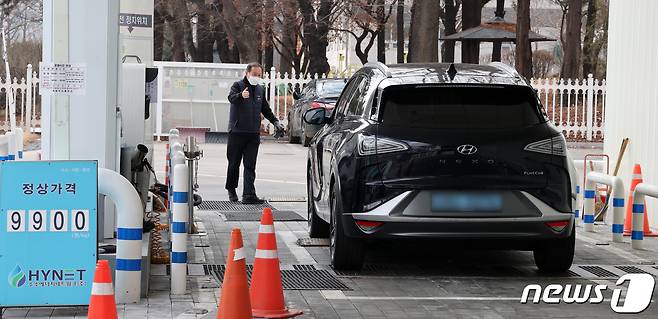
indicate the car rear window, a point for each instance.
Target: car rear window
{"x":469,"y":107}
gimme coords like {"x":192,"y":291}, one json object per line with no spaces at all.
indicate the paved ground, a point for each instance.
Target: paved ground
{"x":417,"y":279}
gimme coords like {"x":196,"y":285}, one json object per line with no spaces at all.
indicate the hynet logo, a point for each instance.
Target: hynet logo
{"x":637,"y":299}
{"x":16,"y":277}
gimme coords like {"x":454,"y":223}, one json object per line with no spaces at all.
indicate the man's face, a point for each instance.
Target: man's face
{"x":256,"y":72}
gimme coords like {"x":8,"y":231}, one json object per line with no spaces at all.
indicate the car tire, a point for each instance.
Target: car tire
{"x":556,"y":255}
{"x":317,"y":228}
{"x":346,"y":253}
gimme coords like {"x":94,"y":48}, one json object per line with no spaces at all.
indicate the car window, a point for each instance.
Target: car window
{"x":331,"y":88}
{"x":341,"y":106}
{"x":357,"y":102}
{"x":447,"y":107}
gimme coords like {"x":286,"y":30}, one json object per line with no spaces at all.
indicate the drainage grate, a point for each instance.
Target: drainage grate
{"x":303,"y":277}
{"x":304,"y":267}
{"x":278,"y":215}
{"x":224,"y":205}
{"x":290,"y":199}
{"x":598,"y":271}
{"x":631,"y":270}
{"x":313,"y":242}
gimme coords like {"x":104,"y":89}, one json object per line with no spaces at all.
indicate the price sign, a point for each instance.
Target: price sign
{"x":48,"y":239}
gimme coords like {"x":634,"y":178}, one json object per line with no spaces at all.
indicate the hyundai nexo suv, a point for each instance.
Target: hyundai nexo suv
{"x":454,"y":151}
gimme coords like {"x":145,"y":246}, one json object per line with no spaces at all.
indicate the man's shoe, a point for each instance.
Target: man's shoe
{"x":252,"y":200}
{"x":232,"y":195}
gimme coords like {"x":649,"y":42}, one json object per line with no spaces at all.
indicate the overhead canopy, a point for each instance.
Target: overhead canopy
{"x":496,"y":30}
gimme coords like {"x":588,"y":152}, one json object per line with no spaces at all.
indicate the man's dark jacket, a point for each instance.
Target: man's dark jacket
{"x":244,"y":116}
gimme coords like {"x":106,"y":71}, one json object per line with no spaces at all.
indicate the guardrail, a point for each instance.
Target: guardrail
{"x":641,"y":191}
{"x":618,"y":195}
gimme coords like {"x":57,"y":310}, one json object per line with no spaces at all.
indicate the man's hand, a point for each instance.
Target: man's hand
{"x":280,"y":130}
{"x":279,"y":126}
{"x":245,"y":93}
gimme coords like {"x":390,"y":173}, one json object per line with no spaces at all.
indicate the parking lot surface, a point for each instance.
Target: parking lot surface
{"x":412,"y":279}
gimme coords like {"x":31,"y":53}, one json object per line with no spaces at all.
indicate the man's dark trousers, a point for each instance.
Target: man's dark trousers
{"x":242,"y":147}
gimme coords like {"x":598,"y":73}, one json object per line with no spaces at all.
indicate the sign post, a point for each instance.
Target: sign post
{"x":48,"y":232}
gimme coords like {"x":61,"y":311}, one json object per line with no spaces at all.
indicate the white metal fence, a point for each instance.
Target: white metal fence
{"x":194,"y":95}
{"x":576,"y":107}
{"x":21,"y":102}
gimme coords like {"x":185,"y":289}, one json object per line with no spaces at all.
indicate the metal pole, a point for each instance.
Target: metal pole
{"x":191,"y":159}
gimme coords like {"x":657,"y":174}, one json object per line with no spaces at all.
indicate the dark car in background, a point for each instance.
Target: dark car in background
{"x":320,"y":93}
{"x":457,"y":152}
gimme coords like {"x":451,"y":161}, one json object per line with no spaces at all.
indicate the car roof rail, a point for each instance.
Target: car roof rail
{"x":379,"y":66}
{"x":507,"y":68}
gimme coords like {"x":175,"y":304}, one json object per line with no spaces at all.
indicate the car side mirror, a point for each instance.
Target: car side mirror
{"x":296,"y":95}
{"x":317,"y":116}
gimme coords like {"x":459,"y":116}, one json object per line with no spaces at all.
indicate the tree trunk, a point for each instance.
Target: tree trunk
{"x":158,"y":30}
{"x":570,"y":69}
{"x":496,"y":54}
{"x":589,"y":50}
{"x":471,"y":17}
{"x":400,"y":31}
{"x":240,"y":24}
{"x":228,"y":51}
{"x":451,"y":8}
{"x":178,"y":35}
{"x":205,"y":40}
{"x":316,"y":30}
{"x":523,"y":47}
{"x":424,"y":32}
{"x":381,"y":32}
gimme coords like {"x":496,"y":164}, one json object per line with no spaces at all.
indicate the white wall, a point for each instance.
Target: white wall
{"x":632,"y":109}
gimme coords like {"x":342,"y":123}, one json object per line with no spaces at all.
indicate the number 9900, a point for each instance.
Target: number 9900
{"x":54,"y":220}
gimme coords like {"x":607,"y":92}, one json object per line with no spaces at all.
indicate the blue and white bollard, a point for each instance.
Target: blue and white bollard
{"x":11,"y":145}
{"x":4,"y":148}
{"x":618,"y":211}
{"x":130,"y":214}
{"x":588,"y":206}
{"x":20,"y":136}
{"x":576,"y":211}
{"x":637,"y":232}
{"x":179,"y":231}
{"x":617,"y":199}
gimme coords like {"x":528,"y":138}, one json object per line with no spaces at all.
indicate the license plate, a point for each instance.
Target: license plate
{"x":466,"y":202}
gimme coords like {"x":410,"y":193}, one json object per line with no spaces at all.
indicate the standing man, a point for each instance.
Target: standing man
{"x":248,"y":101}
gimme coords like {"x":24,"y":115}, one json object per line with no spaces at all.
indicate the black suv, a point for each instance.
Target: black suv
{"x":454,"y":151}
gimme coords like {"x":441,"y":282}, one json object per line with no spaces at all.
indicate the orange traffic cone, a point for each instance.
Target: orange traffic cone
{"x":266,"y":290}
{"x":102,"y":304}
{"x":234,"y":301}
{"x":628,"y":223}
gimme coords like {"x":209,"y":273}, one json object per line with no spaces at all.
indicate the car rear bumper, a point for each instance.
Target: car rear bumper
{"x":397,"y":225}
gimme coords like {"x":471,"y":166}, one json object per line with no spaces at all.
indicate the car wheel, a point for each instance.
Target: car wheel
{"x":556,"y":255}
{"x":346,"y":253}
{"x":317,"y":228}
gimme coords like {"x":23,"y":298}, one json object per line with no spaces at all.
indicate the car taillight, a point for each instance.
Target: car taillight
{"x":371,"y":145}
{"x":558,"y":226}
{"x":367,"y":225}
{"x":552,"y":146}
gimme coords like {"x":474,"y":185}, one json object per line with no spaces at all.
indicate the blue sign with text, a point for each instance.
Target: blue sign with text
{"x":48,"y":237}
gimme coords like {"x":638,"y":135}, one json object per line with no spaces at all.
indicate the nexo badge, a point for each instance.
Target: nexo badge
{"x":47,"y":232}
